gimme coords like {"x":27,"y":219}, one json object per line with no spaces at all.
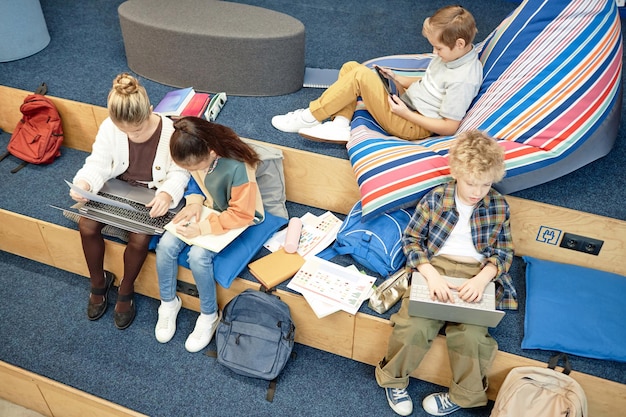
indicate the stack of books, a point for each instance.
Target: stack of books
{"x":187,"y":102}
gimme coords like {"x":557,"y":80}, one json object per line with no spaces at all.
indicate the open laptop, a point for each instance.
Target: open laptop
{"x":482,"y":313}
{"x":123,"y":205}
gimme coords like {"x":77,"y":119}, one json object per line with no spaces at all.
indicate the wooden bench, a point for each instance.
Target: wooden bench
{"x":327,"y":183}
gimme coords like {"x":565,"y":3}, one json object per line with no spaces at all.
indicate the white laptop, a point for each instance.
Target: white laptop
{"x":482,"y":313}
{"x":123,"y":205}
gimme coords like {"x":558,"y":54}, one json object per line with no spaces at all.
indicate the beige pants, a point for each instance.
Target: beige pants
{"x":356,"y":80}
{"x":471,"y":349}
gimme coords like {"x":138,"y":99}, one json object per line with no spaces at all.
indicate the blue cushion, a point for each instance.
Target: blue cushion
{"x":575,"y":310}
{"x":235,"y":257}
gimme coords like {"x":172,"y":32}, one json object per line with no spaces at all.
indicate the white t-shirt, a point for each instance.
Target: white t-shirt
{"x":447,"y":88}
{"x":460,"y":242}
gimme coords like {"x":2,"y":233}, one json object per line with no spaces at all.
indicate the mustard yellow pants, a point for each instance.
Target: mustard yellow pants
{"x":471,"y":349}
{"x":356,"y":80}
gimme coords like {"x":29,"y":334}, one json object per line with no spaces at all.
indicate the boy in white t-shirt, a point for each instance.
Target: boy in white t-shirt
{"x":441,"y":98}
{"x":459,"y":229}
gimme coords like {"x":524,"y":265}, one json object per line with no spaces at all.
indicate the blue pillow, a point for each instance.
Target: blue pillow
{"x":574,"y":310}
{"x":235,"y":257}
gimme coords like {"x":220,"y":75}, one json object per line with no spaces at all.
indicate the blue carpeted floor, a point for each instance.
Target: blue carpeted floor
{"x":43,"y":327}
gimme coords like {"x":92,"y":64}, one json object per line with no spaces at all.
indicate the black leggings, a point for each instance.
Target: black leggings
{"x":93,"y":247}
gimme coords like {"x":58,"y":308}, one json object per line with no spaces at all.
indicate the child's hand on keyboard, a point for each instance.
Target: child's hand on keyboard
{"x":159,"y":204}
{"x":440,"y":289}
{"x":471,"y":291}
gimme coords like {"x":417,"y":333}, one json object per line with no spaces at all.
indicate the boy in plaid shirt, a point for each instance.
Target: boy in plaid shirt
{"x":459,"y":229}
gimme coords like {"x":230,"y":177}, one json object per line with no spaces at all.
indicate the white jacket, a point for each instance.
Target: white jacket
{"x":109,"y":158}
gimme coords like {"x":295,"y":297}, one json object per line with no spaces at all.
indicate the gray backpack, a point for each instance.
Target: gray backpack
{"x":255,"y":336}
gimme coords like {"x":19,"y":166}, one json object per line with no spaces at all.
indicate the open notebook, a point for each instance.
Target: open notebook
{"x":214,"y":243}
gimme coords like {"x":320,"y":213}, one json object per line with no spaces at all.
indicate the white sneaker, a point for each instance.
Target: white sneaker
{"x":292,"y":122}
{"x":166,"y":324}
{"x":326,"y":132}
{"x":439,"y":404}
{"x":202,"y":333}
{"x":399,"y":401}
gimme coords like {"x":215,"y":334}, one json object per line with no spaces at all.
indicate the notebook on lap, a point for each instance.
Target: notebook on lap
{"x":483,"y":313}
{"x":123,"y":205}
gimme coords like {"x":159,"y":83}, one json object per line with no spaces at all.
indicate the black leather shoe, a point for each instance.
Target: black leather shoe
{"x":123,"y":320}
{"x":95,"y":311}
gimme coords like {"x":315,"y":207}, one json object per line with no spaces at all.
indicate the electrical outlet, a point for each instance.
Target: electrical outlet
{"x":581,"y":243}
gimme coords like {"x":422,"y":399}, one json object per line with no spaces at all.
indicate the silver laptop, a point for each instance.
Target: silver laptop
{"x":123,"y":205}
{"x":482,"y":313}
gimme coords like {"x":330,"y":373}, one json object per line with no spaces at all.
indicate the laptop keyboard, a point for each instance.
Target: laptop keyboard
{"x":422,"y":292}
{"x":142,"y":215}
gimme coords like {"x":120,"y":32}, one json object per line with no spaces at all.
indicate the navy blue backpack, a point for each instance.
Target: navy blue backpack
{"x":255,"y":336}
{"x":375,"y":244}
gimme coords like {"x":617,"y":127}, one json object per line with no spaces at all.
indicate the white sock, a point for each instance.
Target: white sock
{"x":341,"y":121}
{"x":207,"y":319}
{"x":307,"y":116}
{"x":170,"y":304}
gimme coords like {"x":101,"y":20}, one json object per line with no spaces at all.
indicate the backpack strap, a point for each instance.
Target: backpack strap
{"x":42,"y":89}
{"x":271,"y":390}
{"x":20,"y":166}
{"x":271,"y":387}
{"x":554,"y":360}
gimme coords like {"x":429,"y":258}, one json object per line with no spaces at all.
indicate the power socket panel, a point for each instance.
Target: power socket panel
{"x":581,"y":243}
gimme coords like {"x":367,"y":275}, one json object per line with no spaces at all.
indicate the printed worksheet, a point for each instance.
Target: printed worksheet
{"x":342,"y":287}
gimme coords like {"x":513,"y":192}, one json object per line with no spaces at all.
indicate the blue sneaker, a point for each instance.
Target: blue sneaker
{"x":399,"y":401}
{"x":439,"y":404}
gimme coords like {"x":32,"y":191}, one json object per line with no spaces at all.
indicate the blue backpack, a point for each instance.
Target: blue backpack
{"x":375,"y":243}
{"x":255,"y":336}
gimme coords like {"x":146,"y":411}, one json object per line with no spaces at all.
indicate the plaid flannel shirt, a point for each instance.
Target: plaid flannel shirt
{"x":436,"y":215}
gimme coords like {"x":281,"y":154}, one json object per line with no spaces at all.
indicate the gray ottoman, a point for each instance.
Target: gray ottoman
{"x":214,"y":46}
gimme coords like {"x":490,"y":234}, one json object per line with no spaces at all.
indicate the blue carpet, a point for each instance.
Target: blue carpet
{"x":130,"y":367}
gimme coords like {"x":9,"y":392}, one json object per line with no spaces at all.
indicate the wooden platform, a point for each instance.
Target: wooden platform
{"x":53,"y":399}
{"x":361,"y":337}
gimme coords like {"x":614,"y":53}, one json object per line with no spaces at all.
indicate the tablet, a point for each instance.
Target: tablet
{"x":391,"y":88}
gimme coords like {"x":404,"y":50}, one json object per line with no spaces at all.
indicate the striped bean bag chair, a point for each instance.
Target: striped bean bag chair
{"x":551,"y":95}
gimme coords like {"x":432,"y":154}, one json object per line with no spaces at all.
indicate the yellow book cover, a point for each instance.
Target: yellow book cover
{"x":276,"y":267}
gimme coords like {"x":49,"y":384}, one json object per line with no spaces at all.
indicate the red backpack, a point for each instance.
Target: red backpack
{"x":39,"y":134}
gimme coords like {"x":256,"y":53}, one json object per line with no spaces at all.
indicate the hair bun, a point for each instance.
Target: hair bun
{"x":125,"y":84}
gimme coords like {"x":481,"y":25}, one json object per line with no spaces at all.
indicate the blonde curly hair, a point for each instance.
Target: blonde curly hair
{"x":476,"y":155}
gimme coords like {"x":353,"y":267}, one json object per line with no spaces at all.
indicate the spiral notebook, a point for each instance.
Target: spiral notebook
{"x":319,"y":78}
